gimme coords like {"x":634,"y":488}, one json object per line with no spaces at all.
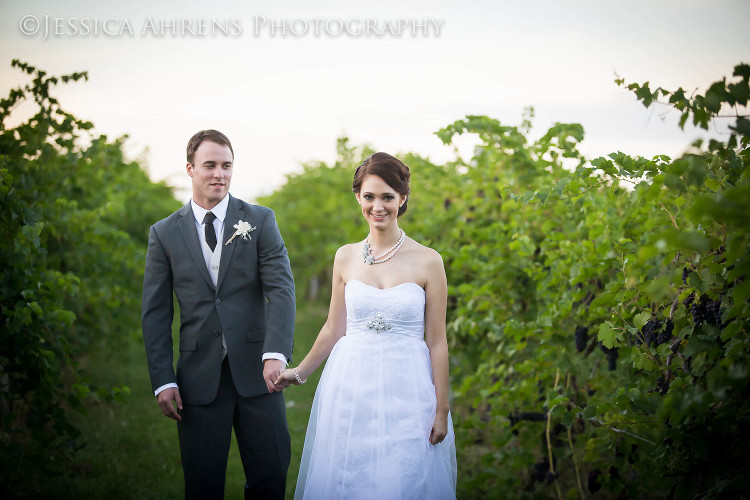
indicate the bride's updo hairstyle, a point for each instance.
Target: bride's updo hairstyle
{"x":390,"y":169}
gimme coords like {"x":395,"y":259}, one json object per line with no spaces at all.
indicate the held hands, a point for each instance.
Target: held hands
{"x":168,"y":399}
{"x":272,"y":368}
{"x":286,"y":378}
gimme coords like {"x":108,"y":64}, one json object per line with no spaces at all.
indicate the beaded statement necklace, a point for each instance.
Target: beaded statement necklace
{"x":367,"y":251}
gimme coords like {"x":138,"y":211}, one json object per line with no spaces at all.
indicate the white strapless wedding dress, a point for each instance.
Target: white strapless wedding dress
{"x":375,"y":405}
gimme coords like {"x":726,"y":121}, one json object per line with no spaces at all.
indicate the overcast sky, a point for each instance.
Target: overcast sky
{"x":284,"y":78}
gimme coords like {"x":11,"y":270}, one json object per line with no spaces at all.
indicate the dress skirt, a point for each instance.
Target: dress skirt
{"x":368,"y":435}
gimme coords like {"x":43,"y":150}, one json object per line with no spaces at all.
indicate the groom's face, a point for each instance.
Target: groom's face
{"x":211,"y":173}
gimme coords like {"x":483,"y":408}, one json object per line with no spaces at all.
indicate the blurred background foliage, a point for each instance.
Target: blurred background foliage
{"x":75,"y":219}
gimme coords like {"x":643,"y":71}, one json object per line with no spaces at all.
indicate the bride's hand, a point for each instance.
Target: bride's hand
{"x":286,"y":379}
{"x":439,"y":429}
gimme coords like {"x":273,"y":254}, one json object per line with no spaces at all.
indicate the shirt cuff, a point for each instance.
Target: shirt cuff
{"x":275,"y":355}
{"x":165,"y":386}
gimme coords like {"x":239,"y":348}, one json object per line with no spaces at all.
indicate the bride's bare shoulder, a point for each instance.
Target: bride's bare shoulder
{"x":424,"y":253}
{"x":428,"y":263}
{"x":347,"y":253}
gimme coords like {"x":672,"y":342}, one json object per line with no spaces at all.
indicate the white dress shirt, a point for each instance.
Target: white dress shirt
{"x":212,"y":259}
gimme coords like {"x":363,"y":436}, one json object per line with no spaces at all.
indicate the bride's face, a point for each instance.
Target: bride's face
{"x":379,"y":202}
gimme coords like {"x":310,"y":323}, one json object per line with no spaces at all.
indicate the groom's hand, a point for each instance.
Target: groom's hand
{"x":272,"y":368}
{"x":168,"y":398}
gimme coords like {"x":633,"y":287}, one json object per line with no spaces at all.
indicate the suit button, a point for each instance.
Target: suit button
{"x":216,"y":333}
{"x":218,"y":301}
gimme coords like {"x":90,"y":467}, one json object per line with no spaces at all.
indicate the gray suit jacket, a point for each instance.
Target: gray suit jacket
{"x":252,"y":304}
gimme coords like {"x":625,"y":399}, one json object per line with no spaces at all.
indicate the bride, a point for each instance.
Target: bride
{"x":380,"y":425}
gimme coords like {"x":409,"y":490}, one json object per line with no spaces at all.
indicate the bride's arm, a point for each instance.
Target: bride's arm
{"x":333,"y":329}
{"x":436,"y":292}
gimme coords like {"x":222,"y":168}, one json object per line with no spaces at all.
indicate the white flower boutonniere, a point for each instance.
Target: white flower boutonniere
{"x":242,"y":229}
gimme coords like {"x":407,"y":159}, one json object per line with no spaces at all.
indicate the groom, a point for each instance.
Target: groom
{"x":226,"y":263}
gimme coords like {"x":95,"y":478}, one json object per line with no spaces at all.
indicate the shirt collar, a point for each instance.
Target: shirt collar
{"x":220,"y":210}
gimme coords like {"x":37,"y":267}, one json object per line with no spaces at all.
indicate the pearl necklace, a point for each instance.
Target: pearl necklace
{"x":367,"y":251}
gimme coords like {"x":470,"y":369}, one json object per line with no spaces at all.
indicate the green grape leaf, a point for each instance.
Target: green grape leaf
{"x":640,"y":319}
{"x":606,"y":335}
{"x":589,"y":412}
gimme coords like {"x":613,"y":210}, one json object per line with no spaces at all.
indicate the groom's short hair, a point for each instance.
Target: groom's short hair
{"x":206,"y":135}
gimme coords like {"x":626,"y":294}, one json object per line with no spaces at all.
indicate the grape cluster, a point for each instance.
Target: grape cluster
{"x":666,"y":334}
{"x":685,"y":274}
{"x":713,"y":312}
{"x":649,"y":332}
{"x":612,"y":359}
{"x":531,"y":416}
{"x":582,"y":338}
{"x":556,"y":436}
{"x":706,"y":311}
{"x":612,"y":355}
{"x":688,"y":300}
{"x":653,"y":333}
{"x":698,"y":312}
{"x":662,"y":386}
{"x":540,"y":470}
{"x":593,"y":481}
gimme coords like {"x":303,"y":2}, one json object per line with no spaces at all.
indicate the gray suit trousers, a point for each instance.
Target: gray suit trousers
{"x":261,"y":430}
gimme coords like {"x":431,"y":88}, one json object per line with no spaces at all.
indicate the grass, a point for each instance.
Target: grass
{"x":132,"y":451}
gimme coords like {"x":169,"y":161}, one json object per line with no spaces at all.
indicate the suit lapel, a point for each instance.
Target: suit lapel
{"x":186,"y":223}
{"x":235,"y":213}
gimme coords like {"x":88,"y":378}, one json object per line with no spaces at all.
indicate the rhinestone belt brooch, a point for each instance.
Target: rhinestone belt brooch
{"x":379,"y":324}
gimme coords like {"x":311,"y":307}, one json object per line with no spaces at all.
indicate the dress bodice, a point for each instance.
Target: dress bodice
{"x":388,"y":311}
